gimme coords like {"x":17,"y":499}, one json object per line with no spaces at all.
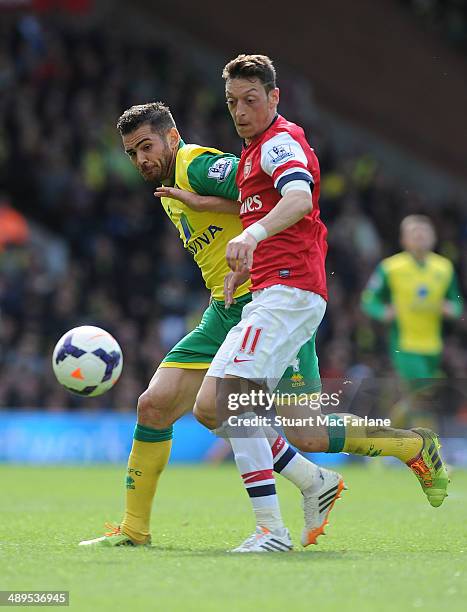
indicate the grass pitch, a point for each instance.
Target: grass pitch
{"x":385,"y":549}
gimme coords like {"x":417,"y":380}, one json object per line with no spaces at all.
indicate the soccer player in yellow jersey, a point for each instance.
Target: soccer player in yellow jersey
{"x":413,"y":291}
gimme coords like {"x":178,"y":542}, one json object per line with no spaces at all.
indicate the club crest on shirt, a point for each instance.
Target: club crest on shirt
{"x":220,"y":169}
{"x":247,"y":167}
{"x":422,"y":291}
{"x":280,"y":153}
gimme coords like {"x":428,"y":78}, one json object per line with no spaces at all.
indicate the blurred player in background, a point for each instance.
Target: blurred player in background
{"x":413,"y":291}
{"x":155,"y":147}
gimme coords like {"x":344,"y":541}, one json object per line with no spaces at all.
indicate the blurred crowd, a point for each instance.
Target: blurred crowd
{"x":447,"y":17}
{"x":87,"y":243}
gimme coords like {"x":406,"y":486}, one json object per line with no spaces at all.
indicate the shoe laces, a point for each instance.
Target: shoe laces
{"x":113,"y":530}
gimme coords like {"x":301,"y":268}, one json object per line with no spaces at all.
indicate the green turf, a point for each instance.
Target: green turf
{"x":386,"y":548}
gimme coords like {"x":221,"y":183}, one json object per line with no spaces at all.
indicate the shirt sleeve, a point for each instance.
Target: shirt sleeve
{"x":453,"y":295}
{"x":213,"y":174}
{"x":284,"y":160}
{"x":376,"y":295}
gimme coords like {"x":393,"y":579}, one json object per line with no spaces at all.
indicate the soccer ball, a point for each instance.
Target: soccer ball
{"x":87,"y":361}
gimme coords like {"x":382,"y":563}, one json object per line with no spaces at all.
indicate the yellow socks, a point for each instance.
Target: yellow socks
{"x":371,"y":441}
{"x":400,"y":443}
{"x":149,"y":456}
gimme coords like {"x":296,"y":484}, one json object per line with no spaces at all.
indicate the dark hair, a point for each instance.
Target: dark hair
{"x":252,"y":66}
{"x":157,"y":114}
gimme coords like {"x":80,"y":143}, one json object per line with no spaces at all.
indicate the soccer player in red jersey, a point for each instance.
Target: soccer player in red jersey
{"x":283,"y":248}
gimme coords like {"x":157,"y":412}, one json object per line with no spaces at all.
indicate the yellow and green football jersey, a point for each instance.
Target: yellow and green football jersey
{"x":417,"y":291}
{"x":205,"y":235}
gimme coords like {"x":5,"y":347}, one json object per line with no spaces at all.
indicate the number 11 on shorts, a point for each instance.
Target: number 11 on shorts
{"x":250,"y":339}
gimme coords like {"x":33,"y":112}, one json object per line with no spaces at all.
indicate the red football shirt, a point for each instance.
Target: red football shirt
{"x":296,"y":255}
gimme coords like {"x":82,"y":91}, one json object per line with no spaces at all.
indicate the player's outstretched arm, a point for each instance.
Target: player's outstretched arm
{"x":198,"y":202}
{"x":292,"y":207}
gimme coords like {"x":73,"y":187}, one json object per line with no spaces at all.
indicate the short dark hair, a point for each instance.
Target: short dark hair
{"x":252,"y":66}
{"x":156,"y":114}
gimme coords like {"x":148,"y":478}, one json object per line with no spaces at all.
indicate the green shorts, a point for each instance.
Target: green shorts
{"x":197,"y":349}
{"x":416,"y":365}
{"x":412,"y":367}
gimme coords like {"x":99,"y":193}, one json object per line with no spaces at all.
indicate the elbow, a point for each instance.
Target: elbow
{"x":306,"y":205}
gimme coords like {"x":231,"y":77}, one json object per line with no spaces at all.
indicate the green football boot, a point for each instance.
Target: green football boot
{"x":114,"y":537}
{"x":429,"y":468}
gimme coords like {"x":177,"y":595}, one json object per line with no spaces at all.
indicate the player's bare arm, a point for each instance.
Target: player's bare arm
{"x":289,"y":210}
{"x":198,"y":202}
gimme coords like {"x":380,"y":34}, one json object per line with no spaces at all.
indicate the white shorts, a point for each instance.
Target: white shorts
{"x":273,"y":328}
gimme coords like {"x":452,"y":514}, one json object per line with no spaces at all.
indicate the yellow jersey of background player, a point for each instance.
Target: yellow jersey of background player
{"x":413,"y":290}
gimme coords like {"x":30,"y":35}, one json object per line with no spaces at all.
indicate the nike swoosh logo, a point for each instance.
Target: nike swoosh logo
{"x":237,"y":360}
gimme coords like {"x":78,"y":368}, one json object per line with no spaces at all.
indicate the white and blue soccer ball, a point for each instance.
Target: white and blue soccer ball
{"x":87,"y":361}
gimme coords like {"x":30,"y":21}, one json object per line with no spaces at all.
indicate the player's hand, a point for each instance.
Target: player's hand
{"x":448,"y":310}
{"x":389,"y":314}
{"x":193,"y":200}
{"x":240,"y":251}
{"x":232,"y":282}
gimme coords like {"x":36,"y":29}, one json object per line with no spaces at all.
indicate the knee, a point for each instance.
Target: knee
{"x":155,"y":410}
{"x":205,"y":412}
{"x":205,"y":404}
